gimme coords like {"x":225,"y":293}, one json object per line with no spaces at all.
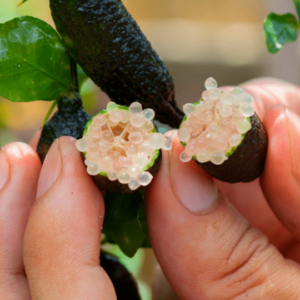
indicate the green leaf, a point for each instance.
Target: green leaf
{"x":121,"y":223}
{"x":297,"y":5}
{"x":142,"y":219}
{"x":34,"y":64}
{"x":82,"y":77}
{"x":279,"y":30}
{"x":2,"y":117}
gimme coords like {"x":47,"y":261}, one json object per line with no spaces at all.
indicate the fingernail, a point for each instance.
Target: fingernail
{"x":51,"y":169}
{"x":4,"y":168}
{"x":194,"y":187}
{"x":293,"y":122}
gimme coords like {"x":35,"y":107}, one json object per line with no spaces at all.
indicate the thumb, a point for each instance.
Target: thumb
{"x":62,"y":239}
{"x":206,"y":249}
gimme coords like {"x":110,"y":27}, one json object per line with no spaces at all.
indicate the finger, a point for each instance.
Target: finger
{"x":19,"y":173}
{"x":62,"y":239}
{"x":205,"y":248}
{"x":161,"y":288}
{"x":248,"y":198}
{"x":35,"y":139}
{"x":281,"y":178}
{"x":269,"y":91}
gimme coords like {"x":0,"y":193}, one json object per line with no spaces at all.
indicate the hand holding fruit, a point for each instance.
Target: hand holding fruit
{"x":206,"y":247}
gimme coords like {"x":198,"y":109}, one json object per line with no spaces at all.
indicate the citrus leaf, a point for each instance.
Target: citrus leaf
{"x":82,"y":77}
{"x":142,"y":219}
{"x":279,"y":30}
{"x":120,"y":222}
{"x":297,"y":5}
{"x":34,"y":64}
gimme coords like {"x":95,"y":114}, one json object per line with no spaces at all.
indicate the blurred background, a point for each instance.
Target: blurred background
{"x":196,"y":39}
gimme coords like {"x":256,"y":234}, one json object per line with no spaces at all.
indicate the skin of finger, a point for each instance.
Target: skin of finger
{"x":16,"y":198}
{"x":214,"y":255}
{"x":35,"y":139}
{"x":250,"y":201}
{"x":161,"y":288}
{"x":270,"y":91}
{"x":62,"y":239}
{"x":281,"y":178}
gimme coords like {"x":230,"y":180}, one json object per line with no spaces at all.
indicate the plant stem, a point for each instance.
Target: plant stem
{"x":49,"y":112}
{"x":74,"y":74}
{"x":23,"y":1}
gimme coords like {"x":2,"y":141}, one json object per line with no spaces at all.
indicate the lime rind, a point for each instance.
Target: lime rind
{"x":153,"y":159}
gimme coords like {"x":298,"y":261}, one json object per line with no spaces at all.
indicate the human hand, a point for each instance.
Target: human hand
{"x":213,"y":254}
{"x":62,"y":240}
{"x":206,"y":249}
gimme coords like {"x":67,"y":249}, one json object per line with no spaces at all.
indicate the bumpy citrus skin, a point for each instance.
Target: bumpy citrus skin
{"x":68,"y":120}
{"x":107,"y":43}
{"x":247,"y":162}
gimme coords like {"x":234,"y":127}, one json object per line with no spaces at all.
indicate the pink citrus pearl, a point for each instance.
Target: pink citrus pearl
{"x":117,"y":167}
{"x":135,"y":137}
{"x":191,"y":149}
{"x":137,"y":120}
{"x":115,"y":155}
{"x":125,"y":161}
{"x":201,"y":143}
{"x":107,"y":136}
{"x":131,"y":149}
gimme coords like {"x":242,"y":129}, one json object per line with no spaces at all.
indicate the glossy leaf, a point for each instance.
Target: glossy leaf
{"x":2,"y":116}
{"x":142,"y":219}
{"x":279,"y":30}
{"x":34,"y":64}
{"x":121,"y":223}
{"x":297,"y":5}
{"x":82,"y":77}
